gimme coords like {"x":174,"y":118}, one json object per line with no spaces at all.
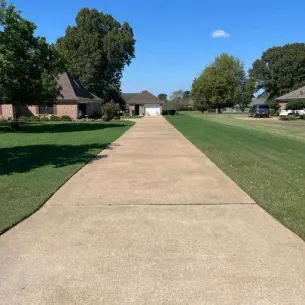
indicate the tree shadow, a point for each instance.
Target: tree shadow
{"x":21,"y":159}
{"x":65,"y":127}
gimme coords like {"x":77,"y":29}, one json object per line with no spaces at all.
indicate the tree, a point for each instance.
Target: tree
{"x":178,"y":100}
{"x":162,"y":97}
{"x":110,"y":110}
{"x":96,"y":50}
{"x":280,"y":70}
{"x":187,"y":95}
{"x":295,"y":105}
{"x":28,"y":65}
{"x":217,"y":86}
{"x":244,"y":94}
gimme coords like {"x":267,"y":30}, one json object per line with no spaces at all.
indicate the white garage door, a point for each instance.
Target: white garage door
{"x":152,"y":109}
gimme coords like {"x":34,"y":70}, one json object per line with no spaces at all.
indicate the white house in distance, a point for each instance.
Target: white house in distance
{"x":144,"y":103}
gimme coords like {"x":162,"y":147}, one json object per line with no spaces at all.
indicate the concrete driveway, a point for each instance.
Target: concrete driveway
{"x":151,"y":221}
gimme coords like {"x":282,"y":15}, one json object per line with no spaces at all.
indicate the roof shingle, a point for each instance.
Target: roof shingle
{"x":71,"y":89}
{"x":293,"y":95}
{"x":145,"y":97}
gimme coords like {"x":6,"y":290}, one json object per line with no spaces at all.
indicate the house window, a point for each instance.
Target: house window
{"x":45,"y":109}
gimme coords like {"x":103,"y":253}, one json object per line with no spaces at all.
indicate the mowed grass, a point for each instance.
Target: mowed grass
{"x":36,"y":161}
{"x":269,"y":166}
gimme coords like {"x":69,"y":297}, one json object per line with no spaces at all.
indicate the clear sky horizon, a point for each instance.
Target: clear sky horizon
{"x":175,"y":38}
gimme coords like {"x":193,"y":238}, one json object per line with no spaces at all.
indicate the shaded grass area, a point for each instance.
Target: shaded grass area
{"x":38,"y":159}
{"x":269,"y":167}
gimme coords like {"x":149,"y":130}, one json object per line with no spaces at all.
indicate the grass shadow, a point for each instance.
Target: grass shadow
{"x":58,"y":127}
{"x":21,"y":159}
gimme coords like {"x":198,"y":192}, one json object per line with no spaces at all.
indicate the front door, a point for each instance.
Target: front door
{"x":82,"y":110}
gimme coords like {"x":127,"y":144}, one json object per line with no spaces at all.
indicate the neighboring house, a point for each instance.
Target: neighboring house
{"x":298,"y":94}
{"x":74,"y":100}
{"x":144,"y":103}
{"x":254,"y":101}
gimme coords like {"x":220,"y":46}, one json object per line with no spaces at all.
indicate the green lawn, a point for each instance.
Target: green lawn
{"x":36,"y":161}
{"x":266,"y":160}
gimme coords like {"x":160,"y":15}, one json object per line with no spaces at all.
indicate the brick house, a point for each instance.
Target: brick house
{"x":298,"y":94}
{"x":74,"y":100}
{"x":144,"y":103}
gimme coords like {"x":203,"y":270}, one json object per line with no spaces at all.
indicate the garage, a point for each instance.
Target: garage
{"x":144,"y":103}
{"x":152,"y":109}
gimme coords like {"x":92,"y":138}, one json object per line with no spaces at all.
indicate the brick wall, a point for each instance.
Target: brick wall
{"x":141,"y":110}
{"x":69,"y":109}
{"x":131,"y":108}
{"x":93,"y":108}
{"x":7,"y":111}
{"x":283,"y":105}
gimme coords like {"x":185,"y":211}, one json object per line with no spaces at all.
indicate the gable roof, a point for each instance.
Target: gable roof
{"x":293,"y":95}
{"x":145,"y":97}
{"x":71,"y":89}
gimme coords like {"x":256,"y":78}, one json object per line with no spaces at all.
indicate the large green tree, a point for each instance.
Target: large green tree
{"x":217,"y":86}
{"x":28,"y":65}
{"x":280,"y":70}
{"x":244,"y":94}
{"x":96,"y":51}
{"x":162,"y":97}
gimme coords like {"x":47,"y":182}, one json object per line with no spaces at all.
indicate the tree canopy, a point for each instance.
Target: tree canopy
{"x":280,"y":69}
{"x":28,"y":65}
{"x":96,"y":50}
{"x":162,"y":97}
{"x":180,"y":99}
{"x":218,"y":85}
{"x":244,"y":94}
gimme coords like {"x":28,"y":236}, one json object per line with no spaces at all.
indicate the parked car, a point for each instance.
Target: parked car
{"x":292,"y":112}
{"x":259,"y":111}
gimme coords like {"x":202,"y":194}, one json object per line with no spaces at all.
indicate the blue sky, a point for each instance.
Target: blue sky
{"x":174,"y":37}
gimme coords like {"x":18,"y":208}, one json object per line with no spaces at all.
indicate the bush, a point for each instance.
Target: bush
{"x":54,"y":118}
{"x":295,"y":105}
{"x":66,"y":118}
{"x":23,"y":119}
{"x":44,"y":119}
{"x":2,"y":119}
{"x":165,"y":112}
{"x":109,"y":111}
{"x":34,"y":119}
{"x":274,"y":112}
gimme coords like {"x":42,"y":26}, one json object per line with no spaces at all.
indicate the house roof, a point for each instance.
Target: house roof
{"x":293,"y":95}
{"x":71,"y":89}
{"x":144,"y":97}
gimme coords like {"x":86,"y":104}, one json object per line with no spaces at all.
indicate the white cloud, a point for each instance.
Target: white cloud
{"x":220,"y":34}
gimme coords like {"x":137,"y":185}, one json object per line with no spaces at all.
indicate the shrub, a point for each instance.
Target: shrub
{"x":274,"y":112}
{"x":54,"y":118}
{"x":2,"y":119}
{"x":34,"y":119}
{"x":23,"y":119}
{"x":109,"y":111}
{"x":66,"y":118}
{"x":295,"y":105}
{"x":44,"y":119}
{"x":165,"y":112}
